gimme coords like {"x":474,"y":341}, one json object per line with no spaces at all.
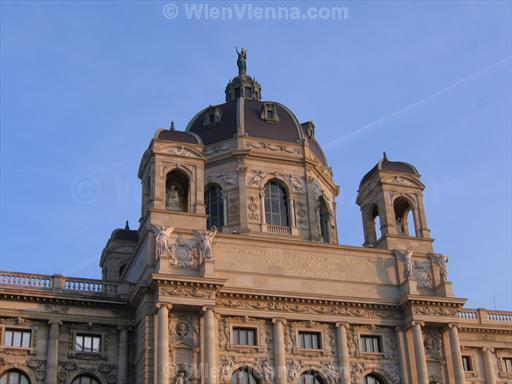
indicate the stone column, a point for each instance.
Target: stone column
{"x":402,"y":355}
{"x":343,"y":352}
{"x":292,"y":213}
{"x":490,"y":374}
{"x":279,"y":351}
{"x":458,"y":368}
{"x":162,"y":362}
{"x":419,"y":351}
{"x":52,"y":353}
{"x":210,"y":355}
{"x":122,"y":356}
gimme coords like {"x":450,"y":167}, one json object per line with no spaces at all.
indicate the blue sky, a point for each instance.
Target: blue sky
{"x":84,"y":85}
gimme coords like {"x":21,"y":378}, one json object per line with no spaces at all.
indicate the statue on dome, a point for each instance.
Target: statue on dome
{"x":241,"y":62}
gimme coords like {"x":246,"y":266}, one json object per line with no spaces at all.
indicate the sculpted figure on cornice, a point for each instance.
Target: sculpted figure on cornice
{"x":294,"y":368}
{"x":442,"y":261}
{"x":205,"y":242}
{"x":357,"y":373}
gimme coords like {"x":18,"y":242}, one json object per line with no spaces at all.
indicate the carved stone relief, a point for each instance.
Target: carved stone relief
{"x":253,"y":209}
{"x":432,"y":341}
{"x":423,"y":274}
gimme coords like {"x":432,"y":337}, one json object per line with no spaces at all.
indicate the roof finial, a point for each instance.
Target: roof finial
{"x":127,"y":226}
{"x":172,"y":127}
{"x":241,"y":62}
{"x":385,"y":156}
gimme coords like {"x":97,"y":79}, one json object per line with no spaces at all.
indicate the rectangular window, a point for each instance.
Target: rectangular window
{"x":310,"y":340}
{"x":467,"y":363}
{"x":371,"y":344}
{"x":17,"y":338}
{"x":248,"y":92}
{"x":244,"y":336}
{"x":507,"y":362}
{"x":88,"y":343}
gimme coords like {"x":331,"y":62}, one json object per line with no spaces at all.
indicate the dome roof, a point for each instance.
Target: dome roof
{"x":125,"y":234}
{"x":247,"y":116}
{"x":391,"y":166}
{"x":172,"y":134}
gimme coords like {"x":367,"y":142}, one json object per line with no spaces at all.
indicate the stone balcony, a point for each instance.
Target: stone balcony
{"x":483,"y":316}
{"x":63,"y":285}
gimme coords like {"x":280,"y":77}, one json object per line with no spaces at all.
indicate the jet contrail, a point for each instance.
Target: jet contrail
{"x":373,"y":124}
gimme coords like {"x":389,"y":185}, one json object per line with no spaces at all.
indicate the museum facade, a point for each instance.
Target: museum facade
{"x":235,"y":274}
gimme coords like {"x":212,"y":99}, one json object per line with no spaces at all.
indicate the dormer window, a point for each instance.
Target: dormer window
{"x":248,"y":92}
{"x":269,"y":113}
{"x":212,"y":116}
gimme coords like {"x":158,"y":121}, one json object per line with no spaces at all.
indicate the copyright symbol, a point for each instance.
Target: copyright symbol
{"x":85,"y":189}
{"x":170,"y":11}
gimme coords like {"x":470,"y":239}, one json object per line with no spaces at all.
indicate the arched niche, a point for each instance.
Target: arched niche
{"x":177,"y":191}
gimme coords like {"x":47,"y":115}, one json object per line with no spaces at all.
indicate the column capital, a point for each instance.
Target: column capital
{"x":124,"y":328}
{"x":163,"y":306}
{"x":417,"y":322}
{"x":342,"y":325}
{"x":488,"y":349}
{"x":400,"y":328}
{"x":454,"y":325}
{"x":207,"y":308}
{"x":56,"y":322}
{"x":278,"y":320}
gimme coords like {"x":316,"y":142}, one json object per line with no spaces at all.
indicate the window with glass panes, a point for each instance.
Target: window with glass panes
{"x":371,"y":344}
{"x":214,"y":206}
{"x":243,"y":376}
{"x":467,"y":364}
{"x":310,"y":340}
{"x":243,"y":336}
{"x":18,"y":338}
{"x":309,"y":378}
{"x":88,"y":343}
{"x":14,"y":377}
{"x":85,"y":379}
{"x":507,"y":362}
{"x":371,"y":380}
{"x":276,"y":205}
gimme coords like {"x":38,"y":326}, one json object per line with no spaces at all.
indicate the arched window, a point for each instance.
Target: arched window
{"x":404,"y":218}
{"x":243,"y":376}
{"x":310,"y":377}
{"x":176,"y":191}
{"x":276,"y":205}
{"x":370,"y":379}
{"x":214,"y":206}
{"x":85,"y":379}
{"x":14,"y":377}
{"x":376,"y":224}
{"x":324,"y":220}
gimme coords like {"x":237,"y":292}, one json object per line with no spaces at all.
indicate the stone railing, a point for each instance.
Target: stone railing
{"x":484,"y":316}
{"x":279,"y":229}
{"x":59,"y":283}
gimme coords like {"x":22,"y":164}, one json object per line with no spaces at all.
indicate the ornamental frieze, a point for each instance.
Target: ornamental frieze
{"x":189,"y":291}
{"x":272,"y":147}
{"x":434,"y":311}
{"x":322,"y":309}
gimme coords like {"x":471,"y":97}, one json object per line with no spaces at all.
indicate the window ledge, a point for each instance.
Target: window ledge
{"x":17,"y":350}
{"x":87,"y":355}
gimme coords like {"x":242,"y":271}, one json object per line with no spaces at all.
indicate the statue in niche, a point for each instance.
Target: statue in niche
{"x":241,"y":62}
{"x":400,"y":226}
{"x":173,"y":198}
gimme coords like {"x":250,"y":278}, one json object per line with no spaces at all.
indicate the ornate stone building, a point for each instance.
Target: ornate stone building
{"x":235,"y":274}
